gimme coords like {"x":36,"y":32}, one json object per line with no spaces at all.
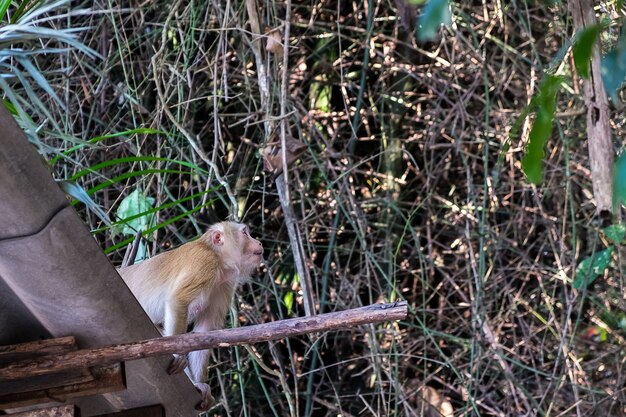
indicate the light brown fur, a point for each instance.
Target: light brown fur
{"x":195,"y":283}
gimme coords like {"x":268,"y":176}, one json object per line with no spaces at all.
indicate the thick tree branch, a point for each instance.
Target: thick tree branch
{"x":598,"y":127}
{"x":282,"y":181}
{"x":188,"y":342}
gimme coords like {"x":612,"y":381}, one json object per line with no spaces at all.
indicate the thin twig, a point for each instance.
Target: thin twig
{"x":190,"y":138}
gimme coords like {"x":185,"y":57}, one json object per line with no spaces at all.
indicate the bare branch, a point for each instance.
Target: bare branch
{"x":188,"y":342}
{"x":598,"y":126}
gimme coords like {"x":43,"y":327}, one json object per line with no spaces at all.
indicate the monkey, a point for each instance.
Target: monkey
{"x":194,"y":284}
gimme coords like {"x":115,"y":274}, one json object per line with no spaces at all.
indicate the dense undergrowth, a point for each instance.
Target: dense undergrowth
{"x":398,"y":195}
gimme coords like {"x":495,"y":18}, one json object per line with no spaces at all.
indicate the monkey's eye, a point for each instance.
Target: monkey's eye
{"x":245,"y":231}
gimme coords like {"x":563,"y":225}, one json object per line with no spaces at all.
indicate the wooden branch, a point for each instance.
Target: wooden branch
{"x":188,"y":342}
{"x":282,"y":182}
{"x":598,"y":127}
{"x":295,"y":240}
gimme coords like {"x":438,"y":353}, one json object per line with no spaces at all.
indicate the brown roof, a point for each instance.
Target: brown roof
{"x":61,"y":283}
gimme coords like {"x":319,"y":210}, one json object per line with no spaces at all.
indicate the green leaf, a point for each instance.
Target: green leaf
{"x":320,"y":96}
{"x":532,"y":163}
{"x":139,"y":174}
{"x":288,"y":299}
{"x":615,"y":232}
{"x":162,"y":207}
{"x":24,"y":7}
{"x":583,"y":48}
{"x":592,"y":267}
{"x":435,"y":14}
{"x":76,"y":191}
{"x":614,"y":68}
{"x":614,"y":319}
{"x":40,"y":79}
{"x":133,"y":159}
{"x":22,"y":43}
{"x":4,"y":6}
{"x":10,"y":107}
{"x":619,"y":181}
{"x":130,"y":209}
{"x":545,"y":106}
{"x":161,"y":225}
{"x":93,"y":141}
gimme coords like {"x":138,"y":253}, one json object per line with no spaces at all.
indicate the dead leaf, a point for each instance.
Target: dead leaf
{"x":272,"y":154}
{"x":428,"y":401}
{"x":274,"y":42}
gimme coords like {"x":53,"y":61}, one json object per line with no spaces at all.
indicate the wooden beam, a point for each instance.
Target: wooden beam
{"x":188,"y":342}
{"x":67,"y":410}
{"x":32,"y":350}
{"x":105,"y":379}
{"x":149,"y":411}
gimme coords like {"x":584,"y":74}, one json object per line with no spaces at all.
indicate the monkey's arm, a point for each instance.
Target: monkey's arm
{"x":199,"y":360}
{"x":175,"y":322}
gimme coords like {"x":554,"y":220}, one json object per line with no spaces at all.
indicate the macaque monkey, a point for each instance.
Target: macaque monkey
{"x":195,"y":284}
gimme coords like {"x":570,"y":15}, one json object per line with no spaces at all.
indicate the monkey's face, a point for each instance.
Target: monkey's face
{"x":251,"y":250}
{"x":235,"y":246}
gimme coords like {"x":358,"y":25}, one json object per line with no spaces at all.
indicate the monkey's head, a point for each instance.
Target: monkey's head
{"x":234,"y":245}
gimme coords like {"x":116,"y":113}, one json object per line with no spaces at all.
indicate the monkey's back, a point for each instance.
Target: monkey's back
{"x":185,"y":273}
{"x":151,"y":281}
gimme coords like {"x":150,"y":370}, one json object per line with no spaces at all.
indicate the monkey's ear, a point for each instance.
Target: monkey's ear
{"x":217,"y":238}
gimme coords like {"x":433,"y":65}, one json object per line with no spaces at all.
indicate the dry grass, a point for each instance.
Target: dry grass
{"x":399,"y":194}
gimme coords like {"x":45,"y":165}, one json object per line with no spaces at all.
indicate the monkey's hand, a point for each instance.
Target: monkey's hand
{"x":178,"y":364}
{"x":207,"y":398}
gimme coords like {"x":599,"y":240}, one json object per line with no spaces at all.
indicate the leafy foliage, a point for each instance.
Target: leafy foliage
{"x":76,"y":191}
{"x":592,"y":267}
{"x":619,"y":181}
{"x":97,"y":139}
{"x":136,"y":215}
{"x":614,"y":68}
{"x":616,"y":233}
{"x":135,"y":211}
{"x":544,"y":106}
{"x":20,"y":43}
{"x":583,"y":48}
{"x":435,"y":14}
